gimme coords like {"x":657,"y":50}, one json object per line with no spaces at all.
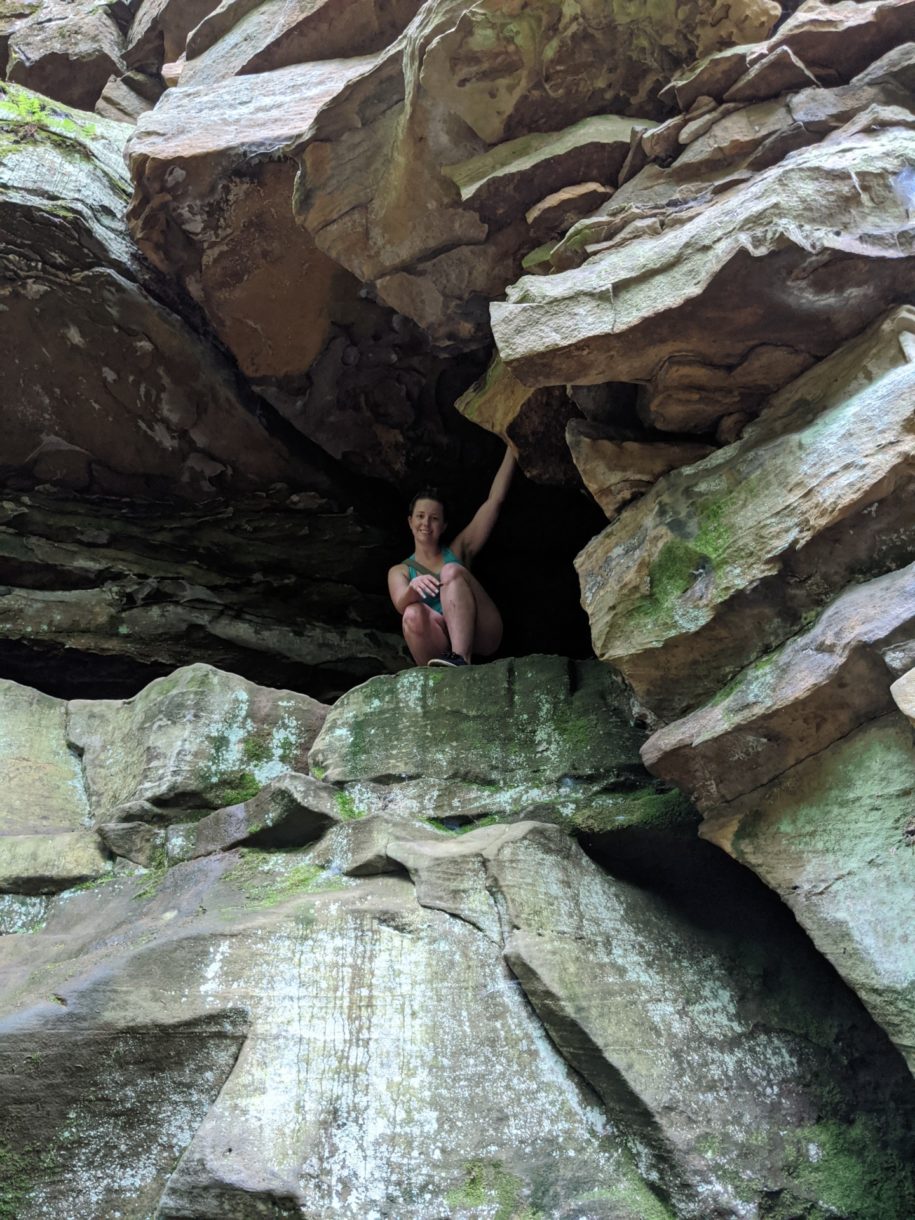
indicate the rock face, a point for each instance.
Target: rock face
{"x":371,"y":982}
{"x":725,"y":557}
{"x":625,"y":938}
{"x":539,"y":737}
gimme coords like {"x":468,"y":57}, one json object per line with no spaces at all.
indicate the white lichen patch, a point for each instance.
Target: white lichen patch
{"x":389,"y":1050}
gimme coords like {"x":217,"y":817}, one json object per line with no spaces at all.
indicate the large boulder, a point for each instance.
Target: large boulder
{"x":419,"y":1009}
{"x":457,"y":85}
{"x":539,"y":737}
{"x":728,"y":293}
{"x":116,"y":392}
{"x":722,"y":560}
{"x":61,"y":49}
{"x":816,"y":803}
{"x":197,"y":740}
{"x":46,"y":843}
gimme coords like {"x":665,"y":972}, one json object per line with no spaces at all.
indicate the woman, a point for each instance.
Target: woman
{"x":447,"y":614}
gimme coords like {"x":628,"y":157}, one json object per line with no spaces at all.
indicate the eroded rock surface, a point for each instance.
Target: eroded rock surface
{"x":220,"y":951}
{"x":533,"y":737}
{"x":722,"y":559}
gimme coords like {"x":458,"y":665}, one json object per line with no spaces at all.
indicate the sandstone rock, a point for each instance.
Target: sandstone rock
{"x":276,"y":35}
{"x":777,"y":72}
{"x":833,"y":837}
{"x":126,"y":97}
{"x":159,"y":31}
{"x":212,"y":207}
{"x":539,"y":736}
{"x":831,"y":41}
{"x":408,"y":1024}
{"x":43,"y":787}
{"x":116,"y":393}
{"x":360,"y":846}
{"x":543,"y":58}
{"x":839,"y":40}
{"x":136,"y":841}
{"x":572,"y":936}
{"x":614,"y":470}
{"x":47,"y":863}
{"x":44,"y":843}
{"x":903,"y":692}
{"x":720,"y":561}
{"x":684,"y":293}
{"x":531,"y":421}
{"x":506,"y":180}
{"x":456,"y":81}
{"x":796,"y":702}
{"x":291,"y":811}
{"x":195,"y":741}
{"x":445,"y":1044}
{"x":65,"y":51}
{"x":557,"y":211}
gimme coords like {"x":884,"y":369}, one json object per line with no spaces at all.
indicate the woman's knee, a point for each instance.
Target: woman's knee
{"x":452,"y":572}
{"x":415,"y":618}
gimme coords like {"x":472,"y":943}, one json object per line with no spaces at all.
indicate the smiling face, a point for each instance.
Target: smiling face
{"x":427,"y":523}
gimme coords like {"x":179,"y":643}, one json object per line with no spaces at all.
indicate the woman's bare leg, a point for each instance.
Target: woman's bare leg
{"x":424,"y":631}
{"x":459,"y":607}
{"x":474,"y":624}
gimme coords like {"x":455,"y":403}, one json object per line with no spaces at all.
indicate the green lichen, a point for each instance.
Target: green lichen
{"x":713,"y":535}
{"x":673,"y":571}
{"x":20,"y":1169}
{"x":16,"y":1169}
{"x":488,"y":1184}
{"x":347,"y":809}
{"x":236,"y":788}
{"x":647,"y":809}
{"x":268,"y":878}
{"x":153,"y":880}
{"x":848,"y":1170}
{"x":318,"y":772}
{"x":256,"y":749}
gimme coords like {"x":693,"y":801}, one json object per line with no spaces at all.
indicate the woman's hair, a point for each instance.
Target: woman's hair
{"x":430,"y":493}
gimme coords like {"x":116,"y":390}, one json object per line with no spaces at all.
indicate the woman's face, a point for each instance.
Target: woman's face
{"x":427,"y":522}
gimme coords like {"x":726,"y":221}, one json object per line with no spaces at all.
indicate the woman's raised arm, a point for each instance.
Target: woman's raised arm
{"x":470,"y":541}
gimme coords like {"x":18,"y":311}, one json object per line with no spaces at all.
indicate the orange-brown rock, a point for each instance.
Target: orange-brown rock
{"x":614,"y":470}
{"x":212,"y":207}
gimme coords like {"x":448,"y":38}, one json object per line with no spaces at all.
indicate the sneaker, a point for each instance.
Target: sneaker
{"x":452,"y":659}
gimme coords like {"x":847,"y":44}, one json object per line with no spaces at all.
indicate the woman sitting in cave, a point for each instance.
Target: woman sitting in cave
{"x":447,"y":614}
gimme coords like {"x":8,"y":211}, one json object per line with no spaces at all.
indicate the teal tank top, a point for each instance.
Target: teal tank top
{"x":414,"y":568}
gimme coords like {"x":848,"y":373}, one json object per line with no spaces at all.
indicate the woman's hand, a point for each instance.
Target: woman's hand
{"x":425,"y":585}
